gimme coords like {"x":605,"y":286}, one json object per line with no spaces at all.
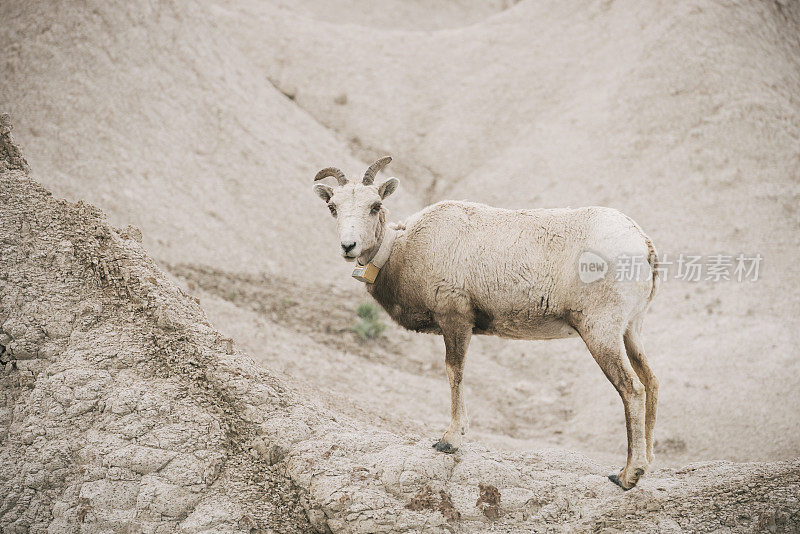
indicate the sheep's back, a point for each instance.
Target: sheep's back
{"x":520,"y":264}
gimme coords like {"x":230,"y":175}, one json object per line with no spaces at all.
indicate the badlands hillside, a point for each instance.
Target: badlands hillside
{"x":124,"y":410}
{"x":202,"y":124}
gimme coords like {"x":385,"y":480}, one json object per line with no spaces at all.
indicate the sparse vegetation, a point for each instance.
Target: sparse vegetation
{"x":368,"y":326}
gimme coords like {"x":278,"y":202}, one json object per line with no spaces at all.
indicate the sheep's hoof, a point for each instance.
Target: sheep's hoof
{"x":615,"y":479}
{"x":443,"y":446}
{"x":637,"y":473}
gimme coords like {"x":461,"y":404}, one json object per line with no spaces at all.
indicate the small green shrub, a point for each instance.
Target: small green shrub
{"x":368,"y":311}
{"x":368,"y":326}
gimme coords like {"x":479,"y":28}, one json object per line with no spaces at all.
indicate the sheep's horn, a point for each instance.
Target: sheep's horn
{"x":331,"y":171}
{"x":369,"y":176}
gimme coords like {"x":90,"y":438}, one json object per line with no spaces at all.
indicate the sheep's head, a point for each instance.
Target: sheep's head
{"x":358,"y":209}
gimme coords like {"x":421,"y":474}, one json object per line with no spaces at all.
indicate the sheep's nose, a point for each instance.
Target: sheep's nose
{"x":347,"y":247}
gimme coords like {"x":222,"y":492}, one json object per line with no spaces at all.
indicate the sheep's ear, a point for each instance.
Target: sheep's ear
{"x":323,"y":191}
{"x":388,"y":187}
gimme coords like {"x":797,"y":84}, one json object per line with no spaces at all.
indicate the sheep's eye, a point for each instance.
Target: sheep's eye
{"x":375,"y":208}
{"x":333,"y":209}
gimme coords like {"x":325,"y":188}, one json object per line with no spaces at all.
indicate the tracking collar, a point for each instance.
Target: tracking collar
{"x":369,"y":272}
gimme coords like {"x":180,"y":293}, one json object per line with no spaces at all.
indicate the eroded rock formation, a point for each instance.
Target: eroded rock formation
{"x":123,"y":409}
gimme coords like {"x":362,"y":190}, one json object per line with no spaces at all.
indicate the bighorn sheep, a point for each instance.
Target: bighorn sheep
{"x":461,"y":268}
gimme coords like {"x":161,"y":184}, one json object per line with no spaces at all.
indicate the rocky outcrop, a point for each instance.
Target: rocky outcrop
{"x":10,"y":155}
{"x":123,"y":409}
{"x":110,"y":418}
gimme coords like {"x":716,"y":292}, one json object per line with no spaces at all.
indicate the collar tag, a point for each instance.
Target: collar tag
{"x":366,"y":273}
{"x":369,"y":272}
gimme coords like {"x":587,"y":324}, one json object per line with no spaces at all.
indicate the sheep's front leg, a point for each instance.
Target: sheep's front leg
{"x":456,"y":340}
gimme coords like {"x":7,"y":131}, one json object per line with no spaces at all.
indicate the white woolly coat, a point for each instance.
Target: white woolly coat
{"x":512,"y":273}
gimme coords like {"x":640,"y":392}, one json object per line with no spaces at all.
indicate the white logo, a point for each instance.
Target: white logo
{"x":591,"y":267}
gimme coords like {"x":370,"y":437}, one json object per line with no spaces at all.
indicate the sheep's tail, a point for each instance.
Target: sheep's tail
{"x":652,"y":259}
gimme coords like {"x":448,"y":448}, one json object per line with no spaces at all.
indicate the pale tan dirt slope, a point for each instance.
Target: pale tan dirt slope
{"x":123,"y":410}
{"x":153,"y":113}
{"x":203,"y":123}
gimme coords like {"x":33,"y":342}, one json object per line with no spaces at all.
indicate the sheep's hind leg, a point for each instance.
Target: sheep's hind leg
{"x":606,"y":345}
{"x":635,"y":350}
{"x":457,"y":334}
